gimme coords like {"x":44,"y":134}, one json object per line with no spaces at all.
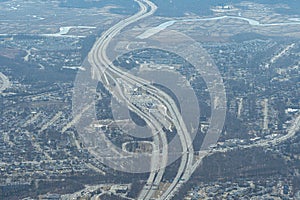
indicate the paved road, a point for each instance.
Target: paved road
{"x":291,"y":132}
{"x":98,"y":59}
{"x":103,"y":69}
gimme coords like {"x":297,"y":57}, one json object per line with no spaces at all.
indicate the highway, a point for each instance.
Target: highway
{"x":159,"y":160}
{"x":291,"y":132}
{"x":100,"y":49}
{"x":102,"y":69}
{"x":116,"y":81}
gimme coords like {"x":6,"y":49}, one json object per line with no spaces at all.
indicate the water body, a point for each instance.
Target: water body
{"x":4,"y":82}
{"x":156,"y":30}
{"x":152,"y":31}
{"x":295,"y":19}
{"x":63,"y":31}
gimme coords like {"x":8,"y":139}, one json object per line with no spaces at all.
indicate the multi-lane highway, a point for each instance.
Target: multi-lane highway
{"x":116,"y":80}
{"x":103,"y":69}
{"x":101,"y":63}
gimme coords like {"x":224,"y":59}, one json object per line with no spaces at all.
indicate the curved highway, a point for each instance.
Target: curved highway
{"x":113,"y":77}
{"x":103,"y":69}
